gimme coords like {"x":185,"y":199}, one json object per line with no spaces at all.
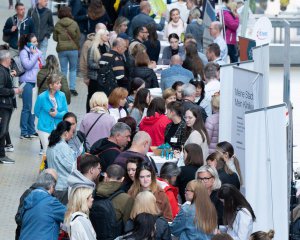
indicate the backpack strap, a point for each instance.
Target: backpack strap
{"x":93,"y":125}
{"x":42,"y":83}
{"x":111,"y":197}
{"x":112,"y":148}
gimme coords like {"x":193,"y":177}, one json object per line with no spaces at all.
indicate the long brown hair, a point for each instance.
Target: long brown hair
{"x":198,"y":125}
{"x":227,"y":147}
{"x":192,"y":61}
{"x":136,"y":186}
{"x":221,"y":164}
{"x":234,"y":201}
{"x":206,"y":215}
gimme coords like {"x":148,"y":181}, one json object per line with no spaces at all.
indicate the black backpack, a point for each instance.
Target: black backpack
{"x":106,"y":77}
{"x":130,"y":9}
{"x":103,"y":218}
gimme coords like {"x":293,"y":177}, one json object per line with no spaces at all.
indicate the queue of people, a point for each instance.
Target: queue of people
{"x":100,"y":182}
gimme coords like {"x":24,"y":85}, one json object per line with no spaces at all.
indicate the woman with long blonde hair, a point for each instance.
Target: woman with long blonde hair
{"x":100,"y":45}
{"x":197,"y":220}
{"x":145,"y":202}
{"x":77,"y":216}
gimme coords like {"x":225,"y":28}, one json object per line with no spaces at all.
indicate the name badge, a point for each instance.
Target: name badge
{"x":173,"y":140}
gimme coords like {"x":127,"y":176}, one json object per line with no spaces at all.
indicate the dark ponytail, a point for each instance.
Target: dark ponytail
{"x":55,"y":135}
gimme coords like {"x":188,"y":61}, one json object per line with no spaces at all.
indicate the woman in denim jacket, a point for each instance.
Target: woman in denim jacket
{"x":197,"y":220}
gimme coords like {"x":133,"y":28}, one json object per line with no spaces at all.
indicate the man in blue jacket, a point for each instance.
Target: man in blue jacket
{"x":16,"y":26}
{"x":143,"y":18}
{"x":42,"y":213}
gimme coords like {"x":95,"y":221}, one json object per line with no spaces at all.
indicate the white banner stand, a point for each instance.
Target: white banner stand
{"x":266,"y":178}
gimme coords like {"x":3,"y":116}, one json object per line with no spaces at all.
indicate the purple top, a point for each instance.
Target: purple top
{"x":100,"y":130}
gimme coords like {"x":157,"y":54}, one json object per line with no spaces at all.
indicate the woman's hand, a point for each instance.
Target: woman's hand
{"x":53,"y":114}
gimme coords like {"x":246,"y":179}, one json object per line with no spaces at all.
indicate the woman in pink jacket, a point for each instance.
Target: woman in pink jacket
{"x":231,"y":22}
{"x":212,"y":123}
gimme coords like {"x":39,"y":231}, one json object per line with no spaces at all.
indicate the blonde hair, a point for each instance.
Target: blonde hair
{"x":260,"y":235}
{"x":95,"y":53}
{"x":213,"y":172}
{"x":78,"y":202}
{"x":206,"y":214}
{"x":168,"y":93}
{"x":215,"y":102}
{"x":99,"y":101}
{"x":145,"y":202}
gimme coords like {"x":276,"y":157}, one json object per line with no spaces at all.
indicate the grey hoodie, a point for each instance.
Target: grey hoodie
{"x":77,"y":180}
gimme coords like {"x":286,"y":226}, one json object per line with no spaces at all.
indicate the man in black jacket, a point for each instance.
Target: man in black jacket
{"x":7,"y":101}
{"x":115,"y":56}
{"x":43,"y":24}
{"x":107,"y":149}
{"x":16,"y":26}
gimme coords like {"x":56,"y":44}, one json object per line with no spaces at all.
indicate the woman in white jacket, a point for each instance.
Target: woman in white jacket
{"x":77,"y":216}
{"x":238,"y":214}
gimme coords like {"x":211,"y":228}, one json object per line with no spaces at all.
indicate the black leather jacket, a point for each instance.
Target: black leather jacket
{"x":7,"y":93}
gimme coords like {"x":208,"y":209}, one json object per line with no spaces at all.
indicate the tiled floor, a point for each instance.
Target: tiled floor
{"x":16,"y":178}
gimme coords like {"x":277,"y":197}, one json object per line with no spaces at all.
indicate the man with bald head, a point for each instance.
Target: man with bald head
{"x":143,"y":18}
{"x":116,"y":58}
{"x":139,"y":148}
{"x":175,"y":73}
{"x":215,"y":30}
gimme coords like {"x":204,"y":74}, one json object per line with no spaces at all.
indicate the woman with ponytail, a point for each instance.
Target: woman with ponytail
{"x":61,"y":157}
{"x":197,"y":220}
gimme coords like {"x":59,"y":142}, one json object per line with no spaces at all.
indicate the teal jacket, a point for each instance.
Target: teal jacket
{"x":42,"y":107}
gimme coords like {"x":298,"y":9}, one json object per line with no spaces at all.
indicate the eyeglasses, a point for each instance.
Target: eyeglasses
{"x":205,"y":179}
{"x":188,"y":190}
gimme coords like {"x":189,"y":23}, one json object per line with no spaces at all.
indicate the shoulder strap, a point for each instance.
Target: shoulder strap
{"x":115,"y":194}
{"x":42,"y":83}
{"x":112,"y":148}
{"x":93,"y":125}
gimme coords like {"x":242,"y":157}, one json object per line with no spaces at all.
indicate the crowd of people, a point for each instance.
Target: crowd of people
{"x":98,"y":179}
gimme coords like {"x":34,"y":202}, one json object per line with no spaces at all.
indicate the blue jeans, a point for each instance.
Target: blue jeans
{"x":69,"y":58}
{"x":43,"y":45}
{"x":27,"y":118}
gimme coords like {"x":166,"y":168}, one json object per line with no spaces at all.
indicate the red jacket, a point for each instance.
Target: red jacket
{"x":155,"y":126}
{"x":172,"y":193}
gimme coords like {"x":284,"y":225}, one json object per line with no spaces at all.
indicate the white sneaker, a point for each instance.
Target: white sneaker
{"x":9,"y":148}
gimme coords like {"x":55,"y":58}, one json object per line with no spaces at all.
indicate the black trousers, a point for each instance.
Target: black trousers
{"x":233,"y":53}
{"x":5,"y":115}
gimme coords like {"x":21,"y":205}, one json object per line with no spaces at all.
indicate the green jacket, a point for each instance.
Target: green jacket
{"x":122,"y":203}
{"x":64,"y":84}
{"x":66,"y":34}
